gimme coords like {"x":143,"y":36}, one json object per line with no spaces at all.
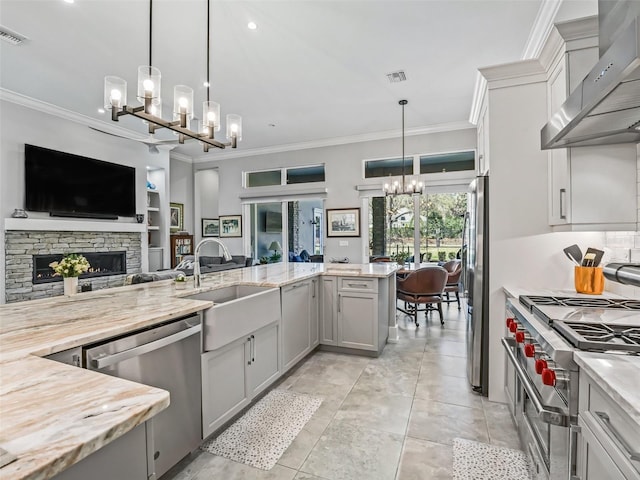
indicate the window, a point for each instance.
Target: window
{"x":387,"y":167}
{"x":305,"y":174}
{"x":291,"y":176}
{"x":264,"y":178}
{"x":447,"y":162}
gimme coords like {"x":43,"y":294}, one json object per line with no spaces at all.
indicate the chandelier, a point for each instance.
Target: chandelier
{"x":403,"y":187}
{"x":149,"y":94}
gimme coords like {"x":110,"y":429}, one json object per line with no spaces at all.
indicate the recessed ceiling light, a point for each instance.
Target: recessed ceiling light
{"x":271,"y":124}
{"x":206,"y":84}
{"x":252,"y":25}
{"x":69,"y":1}
{"x":101,"y":110}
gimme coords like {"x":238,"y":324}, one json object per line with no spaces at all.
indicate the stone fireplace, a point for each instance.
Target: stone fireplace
{"x":28,"y":254}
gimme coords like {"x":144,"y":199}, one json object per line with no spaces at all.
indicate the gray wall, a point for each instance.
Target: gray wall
{"x":344,"y":170}
{"x":181,"y":191}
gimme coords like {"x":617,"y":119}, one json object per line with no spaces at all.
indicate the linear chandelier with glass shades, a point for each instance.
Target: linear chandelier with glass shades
{"x":402,"y":187}
{"x":149,"y":93}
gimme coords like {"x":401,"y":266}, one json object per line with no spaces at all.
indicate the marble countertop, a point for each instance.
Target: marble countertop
{"x":53,"y":415}
{"x":617,"y":375}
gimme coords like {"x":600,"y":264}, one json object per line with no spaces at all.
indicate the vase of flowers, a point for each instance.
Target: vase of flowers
{"x":69,"y":268}
{"x":180,"y":282}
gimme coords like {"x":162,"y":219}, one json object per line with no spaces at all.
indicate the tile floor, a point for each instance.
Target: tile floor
{"x":388,"y":418}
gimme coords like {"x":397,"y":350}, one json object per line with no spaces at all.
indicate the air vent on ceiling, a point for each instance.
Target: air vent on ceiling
{"x":9,"y":36}
{"x":395,"y":77}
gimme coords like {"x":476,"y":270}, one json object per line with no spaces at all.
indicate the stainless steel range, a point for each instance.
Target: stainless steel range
{"x":542,"y":378}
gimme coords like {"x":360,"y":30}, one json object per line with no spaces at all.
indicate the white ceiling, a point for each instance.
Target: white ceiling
{"x":315,"y":69}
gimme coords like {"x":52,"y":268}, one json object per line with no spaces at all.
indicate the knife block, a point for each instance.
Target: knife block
{"x":589,"y":280}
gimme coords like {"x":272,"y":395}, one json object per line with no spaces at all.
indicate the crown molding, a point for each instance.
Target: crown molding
{"x":578,"y":29}
{"x":180,"y":157}
{"x":542,"y":26}
{"x":513,"y":71}
{"x":479,"y":92}
{"x":60,"y":112}
{"x":330,"y":142}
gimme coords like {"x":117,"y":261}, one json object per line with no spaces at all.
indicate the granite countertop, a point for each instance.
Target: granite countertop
{"x":617,"y":375}
{"x":53,"y":415}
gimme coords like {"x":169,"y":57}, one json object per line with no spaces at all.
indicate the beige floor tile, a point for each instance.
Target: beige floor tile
{"x":208,"y":466}
{"x":348,"y":452}
{"x":502,"y":431}
{"x":445,"y":364}
{"x":434,"y":386}
{"x":389,"y":413}
{"x":422,"y":460}
{"x":389,"y":378}
{"x":442,"y":422}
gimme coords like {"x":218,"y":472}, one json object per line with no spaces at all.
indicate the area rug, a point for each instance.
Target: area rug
{"x":260,"y":436}
{"x":481,"y":461}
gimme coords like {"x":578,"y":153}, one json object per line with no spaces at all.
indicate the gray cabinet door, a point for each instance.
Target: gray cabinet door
{"x":328,"y":311}
{"x":263,"y":367}
{"x":224,"y":387}
{"x":358,"y":320}
{"x":296,"y":323}
{"x":315,"y":305}
{"x":125,"y":457}
{"x":593,"y":461}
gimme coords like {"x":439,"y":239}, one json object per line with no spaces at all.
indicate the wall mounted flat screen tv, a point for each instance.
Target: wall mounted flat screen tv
{"x":71,"y":185}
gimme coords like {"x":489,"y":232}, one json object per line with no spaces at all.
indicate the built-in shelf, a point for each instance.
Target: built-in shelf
{"x":50,"y":225}
{"x":152,"y":227}
{"x":153,"y":209}
{"x":152,"y":191}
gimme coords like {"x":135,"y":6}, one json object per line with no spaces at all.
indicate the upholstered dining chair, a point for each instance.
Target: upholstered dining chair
{"x":424,"y":286}
{"x":454,"y":270}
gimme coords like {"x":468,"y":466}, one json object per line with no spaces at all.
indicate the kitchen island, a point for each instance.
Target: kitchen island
{"x":54,"y":415}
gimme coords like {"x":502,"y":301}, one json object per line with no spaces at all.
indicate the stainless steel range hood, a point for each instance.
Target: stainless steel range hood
{"x":605,"y":107}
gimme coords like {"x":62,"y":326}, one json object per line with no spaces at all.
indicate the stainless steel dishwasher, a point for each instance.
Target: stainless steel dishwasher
{"x":166,"y":356}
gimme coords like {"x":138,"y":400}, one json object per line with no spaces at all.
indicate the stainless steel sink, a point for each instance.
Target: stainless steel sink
{"x":237,"y":311}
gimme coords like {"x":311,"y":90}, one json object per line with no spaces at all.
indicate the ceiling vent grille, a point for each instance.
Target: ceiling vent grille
{"x":395,"y":77}
{"x":9,"y":36}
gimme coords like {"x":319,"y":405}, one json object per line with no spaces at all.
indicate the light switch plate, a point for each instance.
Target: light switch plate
{"x":344,"y":243}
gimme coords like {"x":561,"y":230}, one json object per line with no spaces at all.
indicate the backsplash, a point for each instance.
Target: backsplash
{"x":625,"y":247}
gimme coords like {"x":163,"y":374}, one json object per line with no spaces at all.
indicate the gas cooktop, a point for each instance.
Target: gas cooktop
{"x":601,"y":324}
{"x":616,"y":303}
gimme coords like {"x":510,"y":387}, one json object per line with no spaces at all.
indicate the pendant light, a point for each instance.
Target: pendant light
{"x":395,"y":187}
{"x":149,"y":94}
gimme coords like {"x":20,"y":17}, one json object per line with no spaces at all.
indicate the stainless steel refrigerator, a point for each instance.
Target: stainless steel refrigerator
{"x":475,"y":282}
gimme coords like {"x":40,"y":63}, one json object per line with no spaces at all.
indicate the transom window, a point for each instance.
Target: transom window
{"x":387,"y":167}
{"x":285,"y":176}
{"x":447,"y":162}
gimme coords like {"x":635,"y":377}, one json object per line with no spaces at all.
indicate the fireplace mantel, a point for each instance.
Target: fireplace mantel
{"x":51,"y":225}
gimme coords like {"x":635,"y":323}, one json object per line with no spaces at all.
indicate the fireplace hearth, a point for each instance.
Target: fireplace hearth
{"x":102,"y":264}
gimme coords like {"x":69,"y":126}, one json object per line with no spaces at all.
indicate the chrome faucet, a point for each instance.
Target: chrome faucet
{"x":196,"y":268}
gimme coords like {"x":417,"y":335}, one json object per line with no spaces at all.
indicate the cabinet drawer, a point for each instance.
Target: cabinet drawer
{"x":357,"y":284}
{"x":618,"y":433}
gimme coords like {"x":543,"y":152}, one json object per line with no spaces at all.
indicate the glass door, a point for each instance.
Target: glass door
{"x":267,"y":235}
{"x":430,"y":224}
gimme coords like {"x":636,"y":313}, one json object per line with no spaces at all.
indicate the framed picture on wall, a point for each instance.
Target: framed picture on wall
{"x":231,"y":226}
{"x":210,"y":227}
{"x":176,"y":217}
{"x":343,"y":222}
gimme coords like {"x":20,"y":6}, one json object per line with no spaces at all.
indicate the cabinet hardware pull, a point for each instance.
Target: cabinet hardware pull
{"x":339,"y":301}
{"x":253,"y":347}
{"x":605,"y":422}
{"x":563,"y":194}
{"x":358,"y":285}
